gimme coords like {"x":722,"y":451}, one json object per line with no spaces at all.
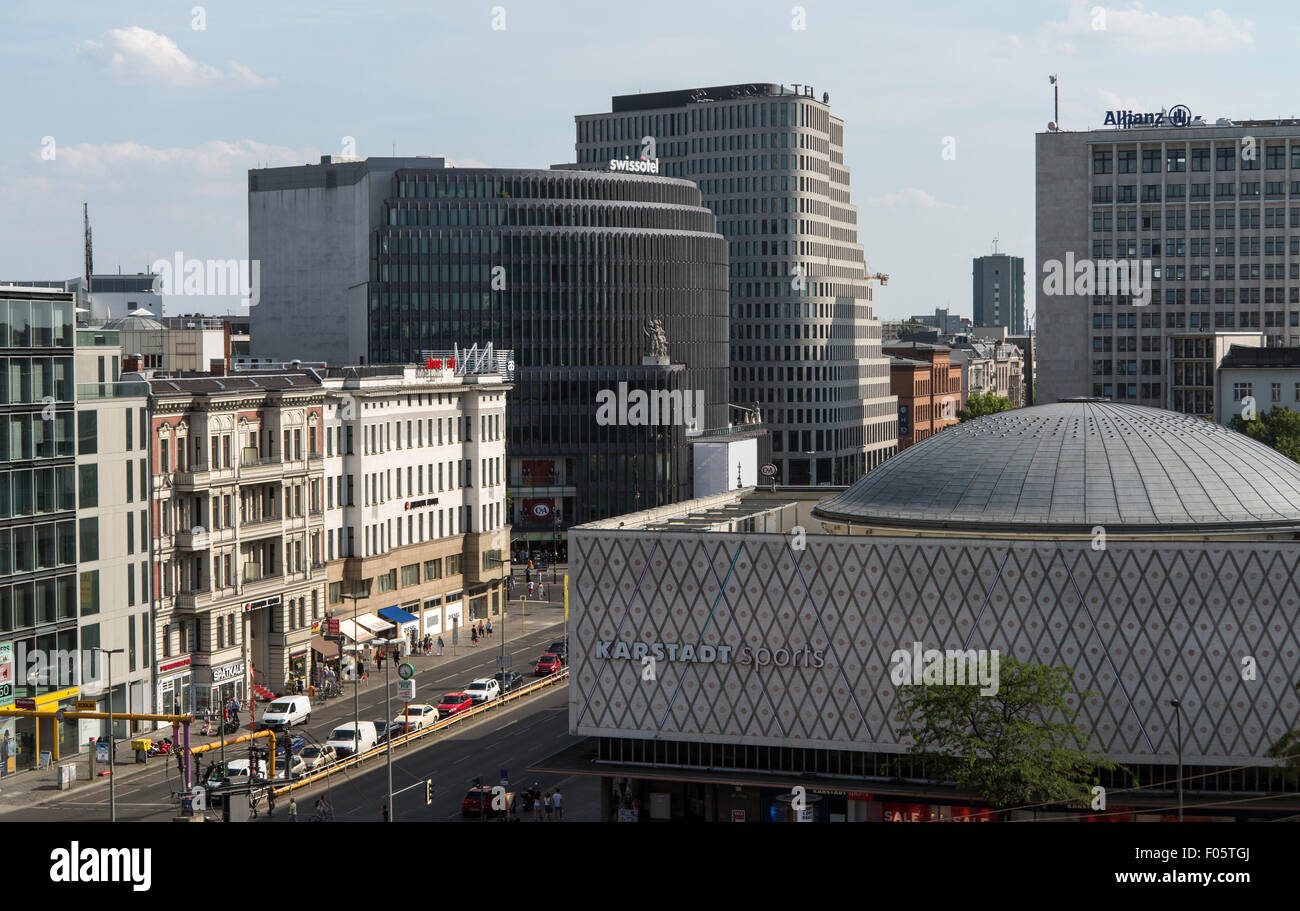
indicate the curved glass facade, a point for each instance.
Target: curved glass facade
{"x":567,"y":269}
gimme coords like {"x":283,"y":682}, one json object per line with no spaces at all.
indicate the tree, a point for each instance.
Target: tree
{"x":1007,"y":747}
{"x":910,"y":326}
{"x":982,"y":403}
{"x":1279,"y":429}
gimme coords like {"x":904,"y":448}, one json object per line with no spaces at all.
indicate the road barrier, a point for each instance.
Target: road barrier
{"x":435,"y":728}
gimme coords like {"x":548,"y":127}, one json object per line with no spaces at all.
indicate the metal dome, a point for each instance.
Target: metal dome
{"x":133,"y":323}
{"x":1075,"y":465}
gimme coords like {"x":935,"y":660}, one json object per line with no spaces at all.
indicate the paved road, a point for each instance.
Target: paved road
{"x":146,"y":794}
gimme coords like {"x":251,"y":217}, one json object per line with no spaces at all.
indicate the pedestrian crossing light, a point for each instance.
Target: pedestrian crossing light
{"x":428,"y":791}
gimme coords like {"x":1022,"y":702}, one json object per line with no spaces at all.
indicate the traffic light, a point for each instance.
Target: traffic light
{"x":428,"y":791}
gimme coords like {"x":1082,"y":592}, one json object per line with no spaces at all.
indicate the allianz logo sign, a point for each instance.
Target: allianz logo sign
{"x":1180,"y":115}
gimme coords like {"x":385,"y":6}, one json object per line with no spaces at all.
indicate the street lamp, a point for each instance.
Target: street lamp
{"x":1178,"y":713}
{"x":112,"y":739}
{"x":360,"y":591}
{"x":388,"y":714}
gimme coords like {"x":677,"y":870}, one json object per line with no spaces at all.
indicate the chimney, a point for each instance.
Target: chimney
{"x":132,"y":363}
{"x":217,"y":366}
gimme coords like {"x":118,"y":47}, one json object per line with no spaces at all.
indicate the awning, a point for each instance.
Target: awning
{"x":398,"y":616}
{"x":327,"y":648}
{"x":374,"y":624}
{"x":354,"y":632}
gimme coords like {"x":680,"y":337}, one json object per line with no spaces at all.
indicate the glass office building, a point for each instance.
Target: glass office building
{"x":38,"y":522}
{"x":566,"y":268}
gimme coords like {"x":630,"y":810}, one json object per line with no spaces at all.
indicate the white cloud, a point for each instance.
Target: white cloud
{"x":908,"y":198}
{"x":465,"y":163}
{"x":135,"y":54}
{"x":1140,"y":29}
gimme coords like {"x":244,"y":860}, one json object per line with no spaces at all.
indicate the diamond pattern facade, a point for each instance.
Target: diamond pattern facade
{"x":1140,"y":624}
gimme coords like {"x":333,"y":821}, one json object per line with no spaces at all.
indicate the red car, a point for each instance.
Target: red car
{"x":548,"y":664}
{"x":480,"y":799}
{"x":454,"y":703}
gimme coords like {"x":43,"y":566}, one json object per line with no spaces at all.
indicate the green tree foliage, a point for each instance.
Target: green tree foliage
{"x":1279,"y":429}
{"x":1009,"y":747}
{"x":982,"y":403}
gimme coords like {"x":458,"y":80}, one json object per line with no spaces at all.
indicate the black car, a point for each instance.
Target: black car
{"x":557,"y":648}
{"x":509,"y":680}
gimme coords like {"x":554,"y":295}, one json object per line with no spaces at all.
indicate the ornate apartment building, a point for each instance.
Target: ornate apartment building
{"x":239,"y":531}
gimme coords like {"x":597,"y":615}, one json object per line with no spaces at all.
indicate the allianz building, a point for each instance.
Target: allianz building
{"x":773,"y":651}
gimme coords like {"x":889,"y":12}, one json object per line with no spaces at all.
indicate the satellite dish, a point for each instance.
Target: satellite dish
{"x":1051,"y":126}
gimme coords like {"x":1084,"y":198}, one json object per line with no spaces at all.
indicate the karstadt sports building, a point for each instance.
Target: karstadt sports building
{"x":1153,"y":553}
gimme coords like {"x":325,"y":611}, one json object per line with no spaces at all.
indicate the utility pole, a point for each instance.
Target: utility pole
{"x":358,"y":593}
{"x":388,"y":714}
{"x":112,"y":735}
{"x":1178,"y":712}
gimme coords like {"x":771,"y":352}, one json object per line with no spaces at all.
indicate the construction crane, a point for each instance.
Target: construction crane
{"x":882,"y":277}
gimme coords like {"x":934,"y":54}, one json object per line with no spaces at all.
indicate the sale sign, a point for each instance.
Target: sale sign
{"x":6,"y":674}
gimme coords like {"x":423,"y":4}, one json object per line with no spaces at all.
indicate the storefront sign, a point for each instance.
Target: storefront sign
{"x":332,"y":626}
{"x":264,"y":602}
{"x":737,"y":815}
{"x":229,"y":672}
{"x":175,"y":665}
{"x":6,"y":674}
{"x":710,"y":654}
{"x":416,"y":504}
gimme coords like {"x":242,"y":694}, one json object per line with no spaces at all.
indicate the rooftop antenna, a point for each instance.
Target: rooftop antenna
{"x":1055,"y":125}
{"x":995,"y":244}
{"x":88,"y":263}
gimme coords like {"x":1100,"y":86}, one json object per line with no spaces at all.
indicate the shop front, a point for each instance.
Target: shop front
{"x":224,"y":683}
{"x":175,"y":688}
{"x":299,"y":668}
{"x":407,"y":624}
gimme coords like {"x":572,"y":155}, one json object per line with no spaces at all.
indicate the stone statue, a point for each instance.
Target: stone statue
{"x":658,"y":339}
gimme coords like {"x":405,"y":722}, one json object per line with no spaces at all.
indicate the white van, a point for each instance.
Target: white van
{"x":353,"y":737}
{"x":287,"y":711}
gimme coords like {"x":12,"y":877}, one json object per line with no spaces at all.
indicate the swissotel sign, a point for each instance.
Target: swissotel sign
{"x":1180,"y":115}
{"x":635,"y":165}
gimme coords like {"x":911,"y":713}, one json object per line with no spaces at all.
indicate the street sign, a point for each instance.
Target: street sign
{"x":332,"y":626}
{"x":768,"y":470}
{"x":406,"y":690}
{"x":27,"y":704}
{"x":503,"y":661}
{"x":86,"y":705}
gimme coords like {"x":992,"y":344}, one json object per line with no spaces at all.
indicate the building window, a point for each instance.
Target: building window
{"x":432,"y":569}
{"x":387,"y":582}
{"x":410,"y":574}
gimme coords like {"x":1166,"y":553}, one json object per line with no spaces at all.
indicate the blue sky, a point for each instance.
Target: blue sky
{"x":155,"y":123}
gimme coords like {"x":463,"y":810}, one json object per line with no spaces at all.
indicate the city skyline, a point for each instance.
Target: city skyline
{"x":221,"y":99}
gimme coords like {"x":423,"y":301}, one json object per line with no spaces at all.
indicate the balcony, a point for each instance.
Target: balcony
{"x":190,"y":599}
{"x":265,"y":525}
{"x":252,"y":469}
{"x":195,"y":539}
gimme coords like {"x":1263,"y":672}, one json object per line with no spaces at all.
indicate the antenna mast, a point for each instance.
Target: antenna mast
{"x":88,"y":264}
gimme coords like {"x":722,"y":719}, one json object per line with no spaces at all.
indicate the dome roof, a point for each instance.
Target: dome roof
{"x":133,"y":323}
{"x":1074,"y":465}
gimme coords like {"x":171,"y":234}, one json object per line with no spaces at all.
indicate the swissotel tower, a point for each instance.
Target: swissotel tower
{"x":805,"y":345}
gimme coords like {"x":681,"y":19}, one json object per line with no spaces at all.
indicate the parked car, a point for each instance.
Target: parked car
{"x":353,"y":737}
{"x":286,"y":712}
{"x":485,"y":689}
{"x":454,"y":704}
{"x":316,"y":757}
{"x":237,"y":771}
{"x":479,"y":800}
{"x":417,"y":716}
{"x":558,"y":650}
{"x":549,"y":663}
{"x":509,"y":680}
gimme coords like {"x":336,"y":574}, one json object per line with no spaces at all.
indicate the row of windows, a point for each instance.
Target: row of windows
{"x":31,"y":548}
{"x":1243,"y":390}
{"x":36,"y":324}
{"x":1273,"y":245}
{"x":698,"y":118}
{"x":1176,"y":160}
{"x":596,"y":217}
{"x":27,"y":604}
{"x":1176,"y":219}
{"x":1126,"y":193}
{"x":576,"y":186}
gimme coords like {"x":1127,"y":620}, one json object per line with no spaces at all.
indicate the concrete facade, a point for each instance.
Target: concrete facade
{"x":998,"y":291}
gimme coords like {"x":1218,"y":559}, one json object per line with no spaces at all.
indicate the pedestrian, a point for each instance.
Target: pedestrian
{"x":548,"y":806}
{"x":530,"y":589}
{"x":384,"y":812}
{"x":270,"y":801}
{"x":528,"y":573}
{"x":293,"y":809}
{"x":440,"y":645}
{"x":489,"y":627}
{"x":480,"y":629}
{"x":537,"y":803}
{"x":557,"y":800}
{"x":473,"y":635}
{"x":6,"y":750}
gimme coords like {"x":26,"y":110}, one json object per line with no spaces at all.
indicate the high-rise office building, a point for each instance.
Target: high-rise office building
{"x":1213,"y":214}
{"x":805,"y":346}
{"x":38,"y":518}
{"x":580,"y":274}
{"x":998,"y":288}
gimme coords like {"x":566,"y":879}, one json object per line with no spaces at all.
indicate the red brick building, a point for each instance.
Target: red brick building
{"x":928,"y":388}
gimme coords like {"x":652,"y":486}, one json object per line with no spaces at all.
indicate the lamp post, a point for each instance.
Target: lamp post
{"x":360,"y":591}
{"x":388,"y":714}
{"x":112,"y":738}
{"x":1178,"y":711}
